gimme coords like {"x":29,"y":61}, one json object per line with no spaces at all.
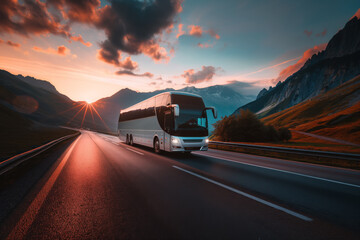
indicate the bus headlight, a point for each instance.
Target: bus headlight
{"x":206,"y":140}
{"x":175,"y":140}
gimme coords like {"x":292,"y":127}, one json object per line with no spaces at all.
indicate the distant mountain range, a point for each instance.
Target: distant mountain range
{"x":223,"y":97}
{"x":338,"y":63}
{"x":39,"y":101}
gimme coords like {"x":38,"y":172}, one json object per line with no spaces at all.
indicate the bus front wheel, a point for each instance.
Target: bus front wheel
{"x":156,"y":145}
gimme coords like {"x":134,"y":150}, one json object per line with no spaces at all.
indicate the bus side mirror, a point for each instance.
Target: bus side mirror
{"x":176,"y":109}
{"x":213,"y":109}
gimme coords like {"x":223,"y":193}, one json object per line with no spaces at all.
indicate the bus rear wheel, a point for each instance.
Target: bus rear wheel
{"x":156,"y":145}
{"x":131,"y":142}
{"x":127,"y":139}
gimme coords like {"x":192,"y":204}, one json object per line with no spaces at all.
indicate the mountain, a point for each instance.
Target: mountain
{"x":335,"y":113}
{"x":38,"y":102}
{"x":38,"y":83}
{"x":223,"y":97}
{"x":338,"y":63}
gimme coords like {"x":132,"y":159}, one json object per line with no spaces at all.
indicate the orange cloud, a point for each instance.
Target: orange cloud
{"x":153,"y":50}
{"x":204,"y":75}
{"x":128,"y":64}
{"x":180,"y":30}
{"x":61,"y":50}
{"x":195,"y":30}
{"x":213,"y":34}
{"x":205,"y":45}
{"x":270,"y":67}
{"x":77,"y":10}
{"x":80,"y":39}
{"x":12,"y":44}
{"x":285,"y":73}
{"x":170,"y":29}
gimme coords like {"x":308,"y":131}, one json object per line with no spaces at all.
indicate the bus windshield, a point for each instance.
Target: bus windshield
{"x":192,"y":120}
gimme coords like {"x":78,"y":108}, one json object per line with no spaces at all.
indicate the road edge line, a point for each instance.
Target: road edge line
{"x":267,"y":203}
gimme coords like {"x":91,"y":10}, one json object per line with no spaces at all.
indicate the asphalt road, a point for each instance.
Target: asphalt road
{"x":100,"y":188}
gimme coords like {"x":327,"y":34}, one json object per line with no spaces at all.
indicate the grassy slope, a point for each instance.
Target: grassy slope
{"x":19,"y":134}
{"x":334,"y":114}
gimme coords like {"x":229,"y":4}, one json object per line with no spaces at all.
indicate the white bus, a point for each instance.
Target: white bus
{"x":170,"y":121}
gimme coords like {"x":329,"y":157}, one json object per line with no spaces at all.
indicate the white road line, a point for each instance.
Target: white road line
{"x":134,"y":151}
{"x":292,"y":213}
{"x":21,"y":228}
{"x":279,"y":170}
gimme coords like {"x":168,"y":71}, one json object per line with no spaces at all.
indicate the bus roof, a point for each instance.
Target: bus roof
{"x":181,"y":93}
{"x":169,"y":92}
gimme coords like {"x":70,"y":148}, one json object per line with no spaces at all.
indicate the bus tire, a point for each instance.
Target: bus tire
{"x":127,"y":139}
{"x":131,"y":142}
{"x":156,"y":145}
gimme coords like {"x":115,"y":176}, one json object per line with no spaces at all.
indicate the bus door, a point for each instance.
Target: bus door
{"x":168,"y":125}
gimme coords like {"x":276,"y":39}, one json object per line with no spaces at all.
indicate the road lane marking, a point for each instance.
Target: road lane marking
{"x":23,"y":225}
{"x":134,"y":151}
{"x":279,"y":170}
{"x":292,"y":213}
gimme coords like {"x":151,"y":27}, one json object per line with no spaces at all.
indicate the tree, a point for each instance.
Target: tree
{"x":284,"y":134}
{"x":246,"y":127}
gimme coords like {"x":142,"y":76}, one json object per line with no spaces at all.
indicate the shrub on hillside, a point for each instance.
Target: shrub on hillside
{"x":284,"y":134}
{"x":246,"y":127}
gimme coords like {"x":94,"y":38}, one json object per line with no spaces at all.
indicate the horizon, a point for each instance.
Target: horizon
{"x":76,"y":52}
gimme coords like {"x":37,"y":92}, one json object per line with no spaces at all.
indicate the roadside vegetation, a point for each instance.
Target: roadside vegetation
{"x":246,"y":127}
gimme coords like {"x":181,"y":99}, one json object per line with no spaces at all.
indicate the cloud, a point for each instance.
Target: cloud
{"x":308,"y":33}
{"x":285,"y":73}
{"x":180,"y":30}
{"x":205,"y":45}
{"x":195,"y":30}
{"x":130,"y":73}
{"x":61,"y":50}
{"x":204,"y":75}
{"x":81,"y":40}
{"x":31,"y":17}
{"x":128,"y":64}
{"x":357,"y":14}
{"x":153,"y":50}
{"x":77,"y":10}
{"x":212,"y":33}
{"x":12,"y":44}
{"x":133,"y":26}
{"x":321,"y":34}
{"x":270,"y":67}
{"x":113,"y":56}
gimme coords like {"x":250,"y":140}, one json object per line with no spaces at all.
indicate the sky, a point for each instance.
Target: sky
{"x":90,"y":49}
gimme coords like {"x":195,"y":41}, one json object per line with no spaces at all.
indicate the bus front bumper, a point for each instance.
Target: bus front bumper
{"x":188,"y":144}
